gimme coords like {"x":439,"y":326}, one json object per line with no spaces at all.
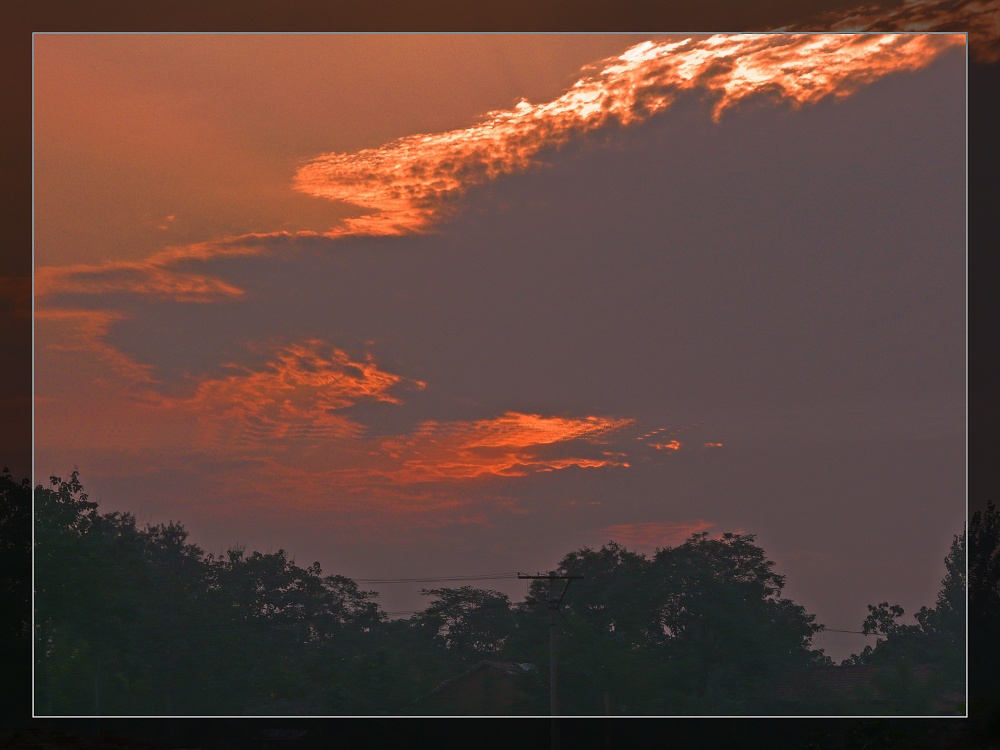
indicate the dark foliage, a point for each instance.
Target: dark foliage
{"x":937,"y":640}
{"x":137,"y":620}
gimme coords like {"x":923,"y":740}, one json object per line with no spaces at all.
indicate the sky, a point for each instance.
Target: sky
{"x":432,"y":305}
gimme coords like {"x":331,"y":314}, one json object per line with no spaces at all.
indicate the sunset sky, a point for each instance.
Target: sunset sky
{"x":431,"y":305}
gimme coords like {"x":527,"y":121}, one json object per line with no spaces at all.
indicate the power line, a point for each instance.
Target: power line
{"x":825,"y":630}
{"x":436,"y":579}
{"x":553,"y":607}
{"x":502,"y":576}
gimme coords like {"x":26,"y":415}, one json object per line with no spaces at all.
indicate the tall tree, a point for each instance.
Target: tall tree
{"x":729,"y":631}
{"x":700,"y":628}
{"x":937,"y":640}
{"x":472,"y":622}
{"x":604,"y":628}
{"x":68,"y":610}
{"x":613,"y":596}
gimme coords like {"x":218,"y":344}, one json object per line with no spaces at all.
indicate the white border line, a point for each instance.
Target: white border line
{"x":36,"y":715}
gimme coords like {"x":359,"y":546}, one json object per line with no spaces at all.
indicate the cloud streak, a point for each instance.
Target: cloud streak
{"x":325,"y":461}
{"x":412,"y":183}
{"x":670,"y":445}
{"x":654,"y":533}
{"x":165,"y":274}
{"x":296,"y":398}
{"x":293,"y":411}
{"x":513,"y":444}
{"x":85,"y":331}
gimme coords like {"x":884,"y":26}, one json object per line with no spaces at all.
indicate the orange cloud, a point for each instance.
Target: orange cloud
{"x":673,"y":445}
{"x":411,"y":183}
{"x":296,"y":396}
{"x":511,"y":445}
{"x":713,"y":445}
{"x":163,"y":273}
{"x":151,"y":277}
{"x":516,"y":429}
{"x":424,"y":473}
{"x":653,"y":533}
{"x":291,"y":410}
{"x":85,"y":331}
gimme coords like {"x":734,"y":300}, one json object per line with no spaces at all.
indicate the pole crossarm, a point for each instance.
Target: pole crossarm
{"x":552,"y":578}
{"x":554,"y":604}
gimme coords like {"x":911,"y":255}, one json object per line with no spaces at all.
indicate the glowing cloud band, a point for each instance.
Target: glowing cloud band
{"x":409,"y":184}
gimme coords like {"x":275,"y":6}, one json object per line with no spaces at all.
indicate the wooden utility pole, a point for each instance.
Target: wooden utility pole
{"x":553,"y":606}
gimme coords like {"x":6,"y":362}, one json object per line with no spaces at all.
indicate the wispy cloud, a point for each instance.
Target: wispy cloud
{"x":412,"y":183}
{"x":653,"y":534}
{"x":438,"y":473}
{"x":510,"y":445}
{"x":293,"y":408}
{"x":293,"y":413}
{"x":167,"y":274}
{"x":297,"y":396}
{"x":85,"y":332}
{"x":664,"y":438}
{"x":670,"y":445}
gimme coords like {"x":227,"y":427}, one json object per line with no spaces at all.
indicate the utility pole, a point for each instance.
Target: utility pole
{"x":553,"y":606}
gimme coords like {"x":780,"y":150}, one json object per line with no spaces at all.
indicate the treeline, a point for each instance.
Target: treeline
{"x":137,"y":620}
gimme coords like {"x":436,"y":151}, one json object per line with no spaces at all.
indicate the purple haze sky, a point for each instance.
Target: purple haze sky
{"x":755,"y":324}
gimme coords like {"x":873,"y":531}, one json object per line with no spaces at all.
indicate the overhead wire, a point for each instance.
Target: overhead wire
{"x":496,"y":577}
{"x":837,"y":630}
{"x":437,"y":579}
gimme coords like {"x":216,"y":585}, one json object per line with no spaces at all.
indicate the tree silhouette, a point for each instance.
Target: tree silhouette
{"x":139,"y":620}
{"x":700,"y":628}
{"x":729,"y":631}
{"x":936,"y":640}
{"x":473,"y":622}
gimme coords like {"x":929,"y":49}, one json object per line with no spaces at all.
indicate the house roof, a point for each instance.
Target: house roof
{"x":506,"y":667}
{"x":843,"y":683}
